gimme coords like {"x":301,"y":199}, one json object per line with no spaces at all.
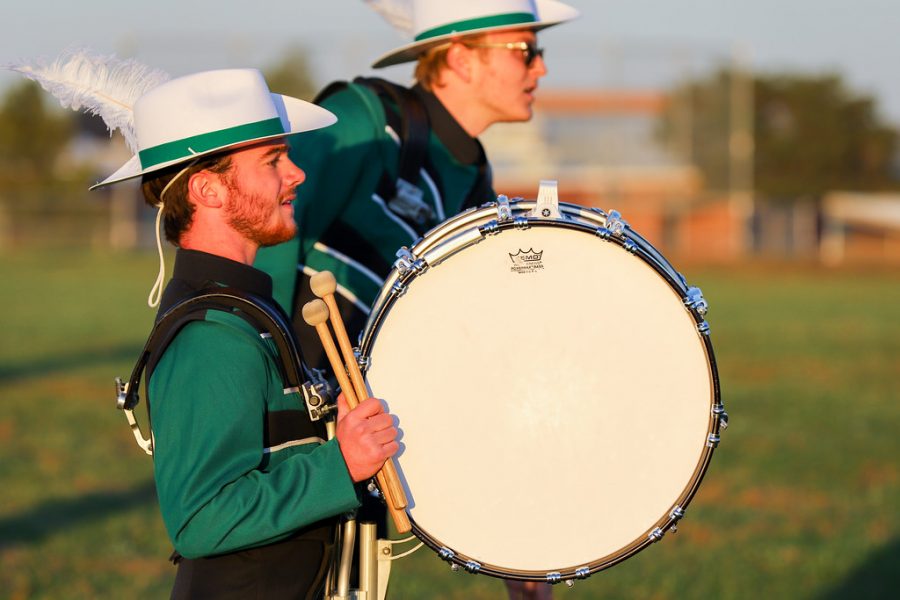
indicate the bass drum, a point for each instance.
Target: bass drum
{"x":555,"y":387}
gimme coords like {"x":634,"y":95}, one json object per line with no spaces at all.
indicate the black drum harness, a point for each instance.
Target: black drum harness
{"x":263,"y":315}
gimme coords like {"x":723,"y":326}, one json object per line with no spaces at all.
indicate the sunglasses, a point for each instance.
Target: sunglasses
{"x":528,"y":49}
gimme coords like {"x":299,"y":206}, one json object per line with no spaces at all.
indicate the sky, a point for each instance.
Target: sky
{"x":616,"y":43}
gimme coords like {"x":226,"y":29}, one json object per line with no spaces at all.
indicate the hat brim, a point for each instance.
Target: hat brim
{"x":296,"y":115}
{"x":550,"y":13}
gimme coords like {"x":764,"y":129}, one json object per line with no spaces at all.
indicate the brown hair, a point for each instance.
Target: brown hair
{"x":178,"y":212}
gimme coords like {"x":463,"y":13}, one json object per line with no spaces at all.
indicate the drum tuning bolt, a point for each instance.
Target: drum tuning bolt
{"x":616,"y":224}
{"x":504,"y":212}
{"x":719,"y":411}
{"x":694,"y":299}
{"x":473,"y":567}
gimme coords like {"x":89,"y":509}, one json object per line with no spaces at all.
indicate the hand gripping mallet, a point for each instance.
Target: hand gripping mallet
{"x":315,"y":313}
{"x":323,"y":285}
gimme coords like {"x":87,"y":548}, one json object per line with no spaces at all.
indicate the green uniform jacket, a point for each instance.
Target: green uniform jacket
{"x":220,"y":489}
{"x":343,"y":224}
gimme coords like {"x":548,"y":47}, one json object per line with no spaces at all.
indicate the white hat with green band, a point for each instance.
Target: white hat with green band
{"x":195,"y":115}
{"x":435,"y":22}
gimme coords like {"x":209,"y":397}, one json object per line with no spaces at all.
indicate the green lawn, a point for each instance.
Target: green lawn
{"x":801,"y":500}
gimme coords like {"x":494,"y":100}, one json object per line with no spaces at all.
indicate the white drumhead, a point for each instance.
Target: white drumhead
{"x":554,"y":405}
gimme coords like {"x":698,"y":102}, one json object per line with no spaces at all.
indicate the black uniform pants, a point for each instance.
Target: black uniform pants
{"x":294,"y":569}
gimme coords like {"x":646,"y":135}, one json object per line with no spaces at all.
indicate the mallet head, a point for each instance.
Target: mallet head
{"x":323,"y":284}
{"x":315,"y":312}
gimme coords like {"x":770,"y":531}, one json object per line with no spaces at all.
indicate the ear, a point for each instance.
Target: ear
{"x":459,"y":61}
{"x":206,"y":188}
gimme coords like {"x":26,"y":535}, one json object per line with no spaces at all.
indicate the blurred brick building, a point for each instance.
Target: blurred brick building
{"x":604,"y":150}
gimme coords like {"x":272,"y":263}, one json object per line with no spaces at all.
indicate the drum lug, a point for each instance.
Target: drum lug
{"x":521,"y":223}
{"x":703,"y":328}
{"x":554,"y":577}
{"x":713,"y":440}
{"x":656,"y":535}
{"x":473,"y":566}
{"x":582,"y":572}
{"x":694,"y":300}
{"x":676,"y":514}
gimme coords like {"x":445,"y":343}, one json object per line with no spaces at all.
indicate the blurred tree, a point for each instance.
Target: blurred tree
{"x":811,"y":134}
{"x":291,"y":75}
{"x":814,"y":135}
{"x":31,"y":135}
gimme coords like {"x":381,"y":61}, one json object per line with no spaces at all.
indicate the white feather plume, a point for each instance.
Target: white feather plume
{"x":107,"y":86}
{"x":399,"y":13}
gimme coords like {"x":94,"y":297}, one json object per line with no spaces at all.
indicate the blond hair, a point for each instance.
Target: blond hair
{"x":433,"y":62}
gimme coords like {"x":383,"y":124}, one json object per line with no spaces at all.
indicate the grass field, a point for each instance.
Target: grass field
{"x":802,"y":499}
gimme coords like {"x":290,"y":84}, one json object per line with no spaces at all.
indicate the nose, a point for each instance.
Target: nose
{"x":293,"y":175}
{"x":538,"y":66}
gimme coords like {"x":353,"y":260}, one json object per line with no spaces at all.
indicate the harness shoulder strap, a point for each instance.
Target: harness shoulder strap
{"x":405,"y":113}
{"x":264,"y":316}
{"x":409,"y":120}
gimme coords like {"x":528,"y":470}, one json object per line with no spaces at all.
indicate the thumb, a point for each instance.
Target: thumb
{"x":342,"y":407}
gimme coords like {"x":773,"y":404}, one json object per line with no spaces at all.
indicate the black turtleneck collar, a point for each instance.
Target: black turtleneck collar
{"x":461,"y":145}
{"x":195,"y":270}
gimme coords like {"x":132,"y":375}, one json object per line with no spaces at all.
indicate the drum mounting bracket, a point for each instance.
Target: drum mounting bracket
{"x":547,"y":205}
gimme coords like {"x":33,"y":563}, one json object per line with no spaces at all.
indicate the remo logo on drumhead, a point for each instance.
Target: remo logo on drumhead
{"x":526,"y":261}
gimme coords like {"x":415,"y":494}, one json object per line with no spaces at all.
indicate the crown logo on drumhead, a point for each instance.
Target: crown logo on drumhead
{"x":526,"y":261}
{"x":526,"y":256}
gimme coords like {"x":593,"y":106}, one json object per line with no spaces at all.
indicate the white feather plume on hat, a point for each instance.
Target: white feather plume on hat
{"x":107,"y":86}
{"x":399,"y":13}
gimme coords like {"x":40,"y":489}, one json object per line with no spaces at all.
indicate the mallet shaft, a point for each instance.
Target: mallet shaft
{"x":401,"y":520}
{"x":359,"y":386}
